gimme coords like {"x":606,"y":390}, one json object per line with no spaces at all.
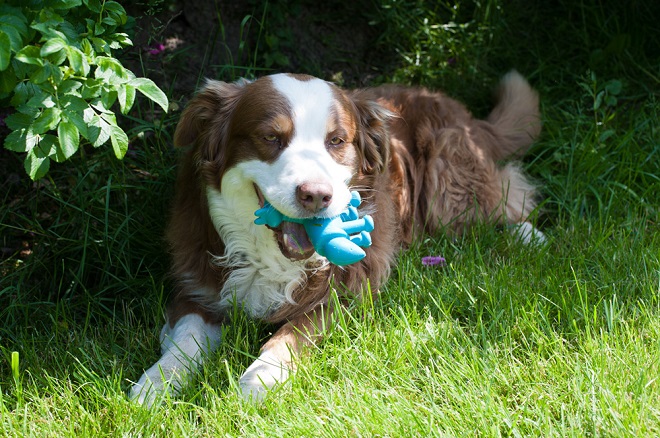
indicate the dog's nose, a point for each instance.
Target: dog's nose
{"x":314,"y":196}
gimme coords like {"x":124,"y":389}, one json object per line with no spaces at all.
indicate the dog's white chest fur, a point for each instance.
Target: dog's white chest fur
{"x":261,"y":278}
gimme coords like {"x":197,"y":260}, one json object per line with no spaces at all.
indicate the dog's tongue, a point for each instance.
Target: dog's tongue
{"x":295,"y":241}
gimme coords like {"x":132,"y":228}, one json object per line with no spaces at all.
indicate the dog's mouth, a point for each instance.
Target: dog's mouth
{"x":291,"y":237}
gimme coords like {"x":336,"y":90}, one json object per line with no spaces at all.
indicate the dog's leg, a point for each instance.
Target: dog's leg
{"x":519,"y":203}
{"x":276,"y":360}
{"x":528,"y":234}
{"x":183,"y":347}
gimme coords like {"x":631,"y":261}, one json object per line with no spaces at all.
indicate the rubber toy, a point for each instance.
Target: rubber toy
{"x":339,"y":239}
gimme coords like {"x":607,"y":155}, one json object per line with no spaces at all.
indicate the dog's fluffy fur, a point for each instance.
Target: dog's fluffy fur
{"x":420,"y":161}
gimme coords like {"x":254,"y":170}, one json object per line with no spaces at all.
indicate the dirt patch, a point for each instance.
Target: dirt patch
{"x":188,"y":41}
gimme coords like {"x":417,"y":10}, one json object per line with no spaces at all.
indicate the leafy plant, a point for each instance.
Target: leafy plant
{"x":58,"y":72}
{"x":278,"y":36}
{"x":605,"y":99}
{"x":435,"y":41}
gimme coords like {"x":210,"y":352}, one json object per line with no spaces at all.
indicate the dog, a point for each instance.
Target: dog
{"x":421,"y":163}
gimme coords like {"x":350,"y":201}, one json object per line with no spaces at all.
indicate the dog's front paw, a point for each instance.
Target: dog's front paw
{"x":162,"y":379}
{"x":157,"y":382}
{"x":146,"y":392}
{"x":262,"y":375}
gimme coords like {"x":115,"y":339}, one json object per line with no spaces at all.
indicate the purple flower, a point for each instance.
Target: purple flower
{"x":156,"y":49}
{"x":434,"y":261}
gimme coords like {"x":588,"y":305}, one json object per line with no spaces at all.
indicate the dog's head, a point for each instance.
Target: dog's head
{"x":299,"y":140}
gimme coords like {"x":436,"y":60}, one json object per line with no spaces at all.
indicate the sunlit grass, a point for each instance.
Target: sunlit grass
{"x":557,"y":340}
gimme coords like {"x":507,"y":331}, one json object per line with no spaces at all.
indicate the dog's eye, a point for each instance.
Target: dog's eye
{"x":336,"y":141}
{"x":274,"y":140}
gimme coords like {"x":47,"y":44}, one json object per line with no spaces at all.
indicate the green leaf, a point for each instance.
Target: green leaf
{"x":16,"y":141}
{"x":58,"y":58}
{"x":21,"y":70}
{"x":126,"y":95}
{"x":70,"y":86}
{"x":99,"y":29}
{"x":5,"y":50}
{"x":599,"y":100}
{"x":122,"y":39}
{"x":77,"y":61}
{"x":73,"y":103}
{"x":70,"y":33}
{"x":77,"y":119}
{"x":48,"y":72}
{"x":119,"y":141}
{"x":101,"y":45}
{"x":22,"y":140}
{"x":69,"y":138}
{"x":15,"y":37}
{"x":614,"y":87}
{"x":87,"y":48}
{"x":30,"y":55}
{"x":53,"y":45}
{"x":50,"y":147}
{"x":110,"y":22}
{"x":47,"y":21}
{"x":22,"y":92}
{"x":110,"y":70}
{"x":112,"y":6}
{"x":108,"y":97}
{"x":151,"y":90}
{"x":40,"y":99}
{"x":109,"y":117}
{"x":48,"y":120}
{"x":41,"y":74}
{"x":18,"y":121}
{"x":605,"y":135}
{"x":14,"y":17}
{"x":28,"y":110}
{"x":93,"y":5}
{"x":8,"y":80}
{"x":67,"y":4}
{"x":91,"y":89}
{"x":98,"y":130}
{"x":36,"y":164}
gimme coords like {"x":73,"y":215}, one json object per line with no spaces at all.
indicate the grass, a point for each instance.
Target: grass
{"x":506,"y":340}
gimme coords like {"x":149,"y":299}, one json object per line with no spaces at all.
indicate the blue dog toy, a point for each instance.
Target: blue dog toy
{"x":338,"y":239}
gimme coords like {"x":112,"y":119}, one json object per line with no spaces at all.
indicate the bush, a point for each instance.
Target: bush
{"x":58,"y":72}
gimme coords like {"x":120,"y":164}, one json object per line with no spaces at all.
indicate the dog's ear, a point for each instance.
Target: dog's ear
{"x":373,"y":134}
{"x":205,"y":121}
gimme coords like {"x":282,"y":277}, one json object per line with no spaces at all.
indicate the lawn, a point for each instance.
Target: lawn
{"x":503,"y":340}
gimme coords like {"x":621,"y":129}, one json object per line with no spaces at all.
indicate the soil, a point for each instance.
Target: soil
{"x":188,"y":41}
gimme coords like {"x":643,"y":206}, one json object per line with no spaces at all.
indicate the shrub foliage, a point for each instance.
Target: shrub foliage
{"x":58,"y":73}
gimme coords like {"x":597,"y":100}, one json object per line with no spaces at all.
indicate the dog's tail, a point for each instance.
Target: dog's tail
{"x":516,"y":117}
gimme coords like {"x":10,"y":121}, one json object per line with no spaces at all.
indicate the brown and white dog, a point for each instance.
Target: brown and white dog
{"x":420,"y":161}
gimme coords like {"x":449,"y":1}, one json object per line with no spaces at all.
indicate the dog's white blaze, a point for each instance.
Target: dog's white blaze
{"x":305,"y":159}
